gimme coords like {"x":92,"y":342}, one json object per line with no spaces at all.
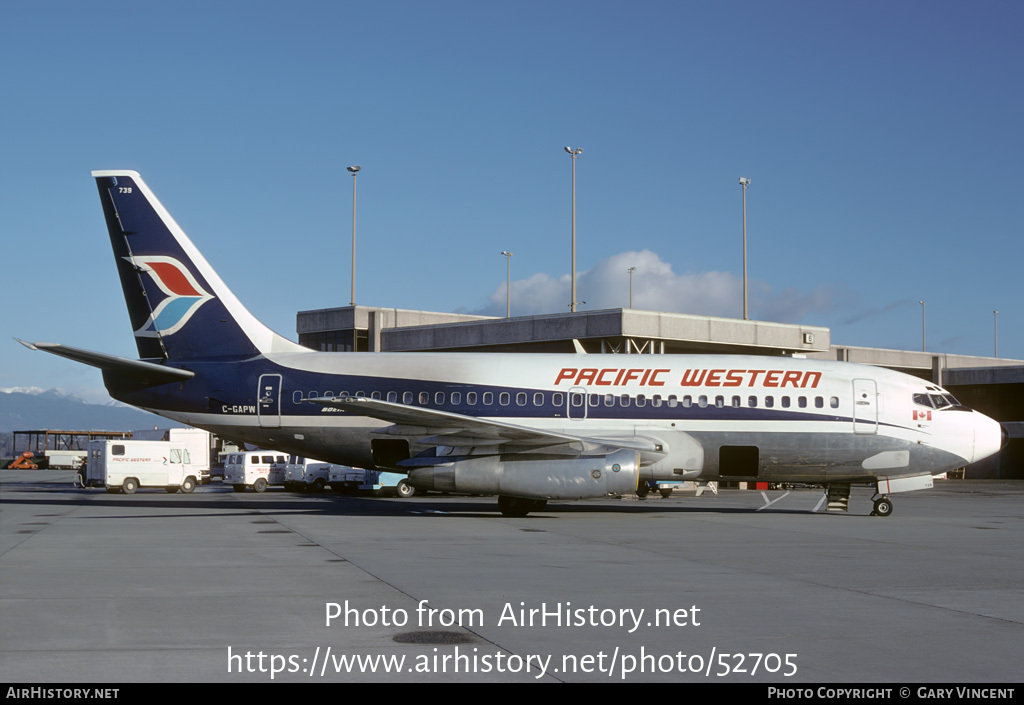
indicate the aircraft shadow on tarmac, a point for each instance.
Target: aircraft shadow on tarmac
{"x":330,"y":504}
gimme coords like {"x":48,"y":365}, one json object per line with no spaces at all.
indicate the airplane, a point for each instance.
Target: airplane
{"x":527,"y":427}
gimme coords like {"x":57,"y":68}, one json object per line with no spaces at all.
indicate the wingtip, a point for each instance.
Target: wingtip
{"x":28,"y":345}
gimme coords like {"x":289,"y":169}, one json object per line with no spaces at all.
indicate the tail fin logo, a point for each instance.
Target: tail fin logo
{"x":183,"y":294}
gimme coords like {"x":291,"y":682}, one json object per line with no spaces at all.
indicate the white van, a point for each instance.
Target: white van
{"x":257,"y":469}
{"x":306,"y":474}
{"x":125,"y":466}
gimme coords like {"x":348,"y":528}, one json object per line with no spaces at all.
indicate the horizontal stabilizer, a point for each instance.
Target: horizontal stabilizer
{"x":136,"y":369}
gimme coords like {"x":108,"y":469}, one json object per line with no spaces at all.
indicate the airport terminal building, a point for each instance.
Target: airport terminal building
{"x":994,"y":386}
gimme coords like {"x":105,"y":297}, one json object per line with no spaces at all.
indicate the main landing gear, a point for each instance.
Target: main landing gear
{"x":519,"y":506}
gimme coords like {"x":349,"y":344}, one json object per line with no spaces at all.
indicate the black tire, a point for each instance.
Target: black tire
{"x":319,"y":484}
{"x":238,"y":488}
{"x":883,"y":507}
{"x":260,"y":485}
{"x":129,"y":485}
{"x":666,"y":492}
{"x":642,"y":490}
{"x":113,"y":490}
{"x":171,"y":490}
{"x":404,"y":490}
{"x":188,"y":485}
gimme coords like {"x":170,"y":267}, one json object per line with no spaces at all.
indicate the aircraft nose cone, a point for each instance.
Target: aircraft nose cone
{"x":989,"y":437}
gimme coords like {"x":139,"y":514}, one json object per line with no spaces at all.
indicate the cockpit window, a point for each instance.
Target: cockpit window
{"x":937,"y":401}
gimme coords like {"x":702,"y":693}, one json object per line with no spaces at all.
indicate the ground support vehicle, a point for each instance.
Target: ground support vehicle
{"x":254,"y":469}
{"x":126,"y":466}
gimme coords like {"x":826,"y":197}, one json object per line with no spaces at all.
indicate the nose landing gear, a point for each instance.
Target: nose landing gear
{"x":883,"y":506}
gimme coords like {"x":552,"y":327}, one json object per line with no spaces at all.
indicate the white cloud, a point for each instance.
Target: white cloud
{"x":657,"y":288}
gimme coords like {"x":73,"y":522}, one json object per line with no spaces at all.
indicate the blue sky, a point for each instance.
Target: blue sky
{"x":881,"y":140}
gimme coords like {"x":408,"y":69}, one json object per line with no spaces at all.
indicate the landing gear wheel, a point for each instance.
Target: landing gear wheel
{"x":515,"y":506}
{"x":130,"y":485}
{"x":883,"y":507}
{"x":666,"y":492}
{"x":188,"y":485}
{"x":260,"y":484}
{"x":404,"y":490}
{"x":642,"y":490}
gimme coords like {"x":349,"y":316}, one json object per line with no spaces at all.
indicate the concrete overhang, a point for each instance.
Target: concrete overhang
{"x":678,"y":332}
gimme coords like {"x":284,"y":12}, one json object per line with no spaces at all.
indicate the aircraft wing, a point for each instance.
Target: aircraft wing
{"x":434,"y":427}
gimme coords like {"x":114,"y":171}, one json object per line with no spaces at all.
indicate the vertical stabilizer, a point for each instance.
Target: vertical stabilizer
{"x":178,"y":306}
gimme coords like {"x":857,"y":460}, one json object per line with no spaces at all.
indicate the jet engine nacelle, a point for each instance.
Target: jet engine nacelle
{"x":577,"y":478}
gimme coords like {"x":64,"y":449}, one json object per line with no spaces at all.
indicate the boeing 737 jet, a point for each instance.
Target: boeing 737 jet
{"x":525,"y":427}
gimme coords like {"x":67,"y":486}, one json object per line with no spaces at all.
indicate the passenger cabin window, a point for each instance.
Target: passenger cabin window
{"x":538,"y":399}
{"x":488,"y":398}
{"x":504,"y":398}
{"x":407,"y":397}
{"x":456,"y":398}
{"x":834,"y":402}
{"x":471,"y":398}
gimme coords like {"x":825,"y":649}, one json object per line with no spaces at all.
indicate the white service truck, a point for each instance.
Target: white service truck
{"x":306,"y":474}
{"x":198,"y":442}
{"x":256,"y":469}
{"x":125,"y":466}
{"x":378,"y":482}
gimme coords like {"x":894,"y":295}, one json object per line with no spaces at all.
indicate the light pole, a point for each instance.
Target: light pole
{"x":744,"y":183}
{"x":923,"y":348}
{"x":574,"y":154}
{"x":508,"y":283}
{"x":355,"y":170}
{"x":995,"y":332}
{"x":631,"y":270}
